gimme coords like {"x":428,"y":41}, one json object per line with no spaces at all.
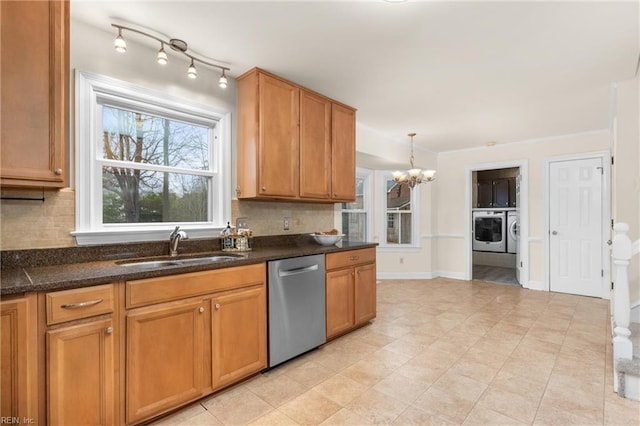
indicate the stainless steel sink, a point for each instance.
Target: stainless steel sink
{"x":162,"y":263}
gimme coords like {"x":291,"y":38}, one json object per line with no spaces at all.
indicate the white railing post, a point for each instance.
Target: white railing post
{"x":621,"y":254}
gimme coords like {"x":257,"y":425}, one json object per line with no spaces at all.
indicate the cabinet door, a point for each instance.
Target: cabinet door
{"x":80,"y":374}
{"x":340,"y":298}
{"x":343,"y":153}
{"x":501,"y":193}
{"x":365,"y":293}
{"x":239,"y":335}
{"x":34,"y":46}
{"x":485,"y":194}
{"x":278,"y":162}
{"x":315,"y":146}
{"x":18,"y":361}
{"x":512,"y":192}
{"x":165,"y":357}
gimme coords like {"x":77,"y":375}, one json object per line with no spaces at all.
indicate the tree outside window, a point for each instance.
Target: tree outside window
{"x":399,"y":213}
{"x":152,"y":169}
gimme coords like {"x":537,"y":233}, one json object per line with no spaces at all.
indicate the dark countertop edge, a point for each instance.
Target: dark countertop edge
{"x":86,"y":274}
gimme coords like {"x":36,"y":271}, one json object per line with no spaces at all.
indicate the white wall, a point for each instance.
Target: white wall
{"x":451,"y":198}
{"x":626,"y":170}
{"x":392,"y":262}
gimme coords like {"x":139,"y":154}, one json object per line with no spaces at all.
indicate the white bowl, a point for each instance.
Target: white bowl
{"x":327,"y":240}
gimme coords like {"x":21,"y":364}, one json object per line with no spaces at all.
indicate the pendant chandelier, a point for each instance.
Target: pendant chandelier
{"x":414,"y":176}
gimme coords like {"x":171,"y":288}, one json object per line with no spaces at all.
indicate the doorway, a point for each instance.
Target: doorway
{"x":578,"y":224}
{"x":494,"y":229}
{"x":499,"y":260}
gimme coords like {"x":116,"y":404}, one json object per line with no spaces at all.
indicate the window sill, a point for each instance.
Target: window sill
{"x":399,"y":248}
{"x":139,"y":235}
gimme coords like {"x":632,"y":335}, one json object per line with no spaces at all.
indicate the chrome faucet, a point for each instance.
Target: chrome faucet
{"x":174,"y":240}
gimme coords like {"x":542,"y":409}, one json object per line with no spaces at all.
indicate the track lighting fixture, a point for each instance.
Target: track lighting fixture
{"x":177,"y":45}
{"x":162,"y":55}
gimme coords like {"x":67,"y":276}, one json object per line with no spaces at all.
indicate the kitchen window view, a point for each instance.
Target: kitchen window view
{"x":399,"y":213}
{"x":154,"y":169}
{"x":354,"y":215}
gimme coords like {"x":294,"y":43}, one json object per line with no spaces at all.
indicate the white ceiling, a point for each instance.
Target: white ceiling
{"x":458,"y":74}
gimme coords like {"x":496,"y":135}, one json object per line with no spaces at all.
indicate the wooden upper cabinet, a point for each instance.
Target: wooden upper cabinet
{"x":278,"y":138}
{"x":315,"y":146}
{"x":293,"y":144}
{"x":343,"y":176}
{"x":268,"y":148}
{"x":34,"y":73}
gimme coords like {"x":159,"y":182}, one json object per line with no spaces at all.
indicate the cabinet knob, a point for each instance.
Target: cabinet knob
{"x":264,"y":188}
{"x":217,"y":306}
{"x":109,"y":330}
{"x":58,"y":171}
{"x":201,"y":309}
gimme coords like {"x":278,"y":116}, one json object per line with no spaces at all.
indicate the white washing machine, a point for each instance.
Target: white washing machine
{"x":512,"y":231}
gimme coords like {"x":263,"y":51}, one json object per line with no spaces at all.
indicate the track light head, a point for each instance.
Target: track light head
{"x":120,"y":45}
{"x":162,"y":55}
{"x":222,"y":82}
{"x":192,"y":72}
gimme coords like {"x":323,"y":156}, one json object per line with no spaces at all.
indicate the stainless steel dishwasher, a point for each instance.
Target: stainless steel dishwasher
{"x":296,"y":307}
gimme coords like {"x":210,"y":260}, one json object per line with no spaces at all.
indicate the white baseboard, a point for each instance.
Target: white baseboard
{"x":449,"y":274}
{"x":536,"y":285}
{"x":405,"y":275}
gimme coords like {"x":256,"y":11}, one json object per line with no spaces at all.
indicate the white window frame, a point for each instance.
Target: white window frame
{"x":415,"y":217}
{"x":367,"y":204}
{"x":92,"y":91}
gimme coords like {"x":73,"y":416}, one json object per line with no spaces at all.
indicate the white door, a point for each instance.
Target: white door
{"x":517,"y":227}
{"x":575,"y":226}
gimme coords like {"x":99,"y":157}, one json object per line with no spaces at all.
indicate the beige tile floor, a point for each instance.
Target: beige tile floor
{"x":443,"y":352}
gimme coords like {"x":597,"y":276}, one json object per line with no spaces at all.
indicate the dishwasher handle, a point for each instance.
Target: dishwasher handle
{"x":296,"y":271}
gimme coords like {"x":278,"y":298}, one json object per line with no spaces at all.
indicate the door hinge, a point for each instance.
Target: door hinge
{"x":611,"y":285}
{"x":612,"y":160}
{"x":602,"y":272}
{"x":521,"y":263}
{"x":612,"y":223}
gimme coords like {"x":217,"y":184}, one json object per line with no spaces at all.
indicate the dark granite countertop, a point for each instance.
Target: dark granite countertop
{"x":44,"y":270}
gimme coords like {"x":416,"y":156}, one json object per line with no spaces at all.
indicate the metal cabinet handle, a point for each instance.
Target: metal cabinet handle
{"x":109,"y":330}
{"x":264,"y":188}
{"x":81,"y":304}
{"x":58,"y":171}
{"x":217,"y":306}
{"x":201,"y":309}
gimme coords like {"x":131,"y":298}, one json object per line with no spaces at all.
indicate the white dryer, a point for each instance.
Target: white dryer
{"x":512,"y":231}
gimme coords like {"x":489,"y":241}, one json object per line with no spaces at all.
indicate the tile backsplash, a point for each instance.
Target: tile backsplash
{"x":48,"y":224}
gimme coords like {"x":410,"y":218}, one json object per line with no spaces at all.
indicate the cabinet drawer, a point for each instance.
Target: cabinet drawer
{"x":163,"y":289}
{"x":349,"y":258}
{"x":79,"y":303}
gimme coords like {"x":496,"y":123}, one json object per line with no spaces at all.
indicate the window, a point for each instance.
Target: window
{"x":146,"y":163}
{"x":401,"y":214}
{"x":356,"y":215}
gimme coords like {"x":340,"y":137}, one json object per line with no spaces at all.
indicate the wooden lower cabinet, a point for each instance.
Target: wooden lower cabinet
{"x":351,"y":290}
{"x":340,"y":297}
{"x":80,"y":374}
{"x":239,"y":335}
{"x":164,"y":357}
{"x":18,"y":359}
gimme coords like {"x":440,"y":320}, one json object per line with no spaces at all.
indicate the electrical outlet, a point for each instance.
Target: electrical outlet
{"x":285,"y":223}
